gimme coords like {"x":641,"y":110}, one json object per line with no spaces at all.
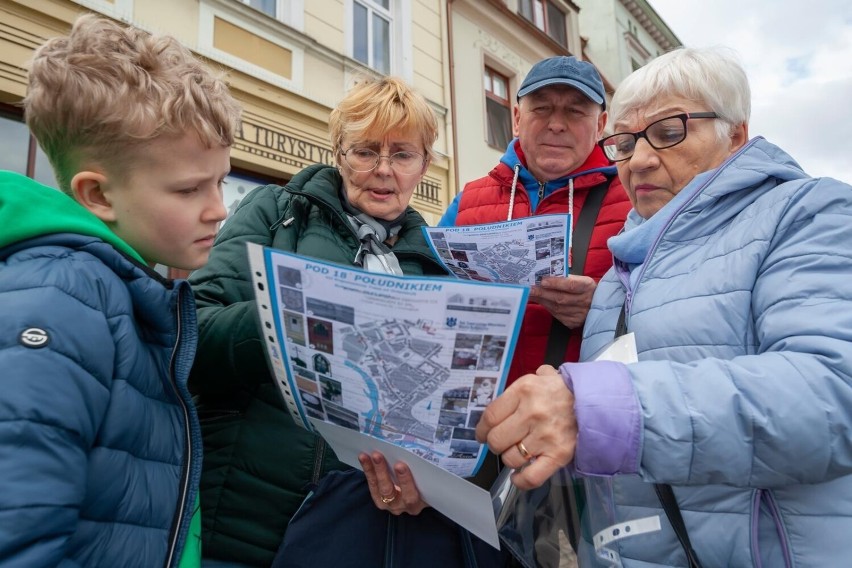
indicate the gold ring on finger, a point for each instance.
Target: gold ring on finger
{"x":524,"y":451}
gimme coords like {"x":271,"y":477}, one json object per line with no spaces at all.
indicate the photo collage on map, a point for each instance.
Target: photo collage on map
{"x":320,"y":392}
{"x":552,"y":248}
{"x":462,"y":408}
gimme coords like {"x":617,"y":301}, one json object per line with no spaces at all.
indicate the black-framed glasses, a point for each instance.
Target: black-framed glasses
{"x":365,"y":160}
{"x":660,"y":134}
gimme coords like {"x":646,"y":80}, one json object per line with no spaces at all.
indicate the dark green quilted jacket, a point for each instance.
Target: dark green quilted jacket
{"x":257,"y":462}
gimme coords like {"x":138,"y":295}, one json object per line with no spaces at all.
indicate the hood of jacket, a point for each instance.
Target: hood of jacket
{"x":29,"y":209}
{"x":721,"y":193}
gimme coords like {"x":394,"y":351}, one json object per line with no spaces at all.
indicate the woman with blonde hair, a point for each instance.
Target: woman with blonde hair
{"x":258,"y":464}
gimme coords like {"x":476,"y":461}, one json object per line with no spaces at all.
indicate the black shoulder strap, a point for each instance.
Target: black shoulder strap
{"x":667,"y":498}
{"x":554,"y":354}
{"x":582,"y":235}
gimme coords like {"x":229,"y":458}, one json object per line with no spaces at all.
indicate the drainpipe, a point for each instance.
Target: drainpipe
{"x":452,"y":65}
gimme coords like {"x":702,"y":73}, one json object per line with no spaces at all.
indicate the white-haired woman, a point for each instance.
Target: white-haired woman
{"x":733,"y":271}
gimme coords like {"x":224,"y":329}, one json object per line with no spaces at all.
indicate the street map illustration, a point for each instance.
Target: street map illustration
{"x":522,"y":251}
{"x":410,"y":361}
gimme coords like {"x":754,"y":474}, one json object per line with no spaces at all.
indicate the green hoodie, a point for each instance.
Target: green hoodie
{"x":29,"y":209}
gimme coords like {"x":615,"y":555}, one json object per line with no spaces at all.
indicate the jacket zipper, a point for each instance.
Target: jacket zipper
{"x":186,"y":469}
{"x":765,"y":496}
{"x":319,"y":456}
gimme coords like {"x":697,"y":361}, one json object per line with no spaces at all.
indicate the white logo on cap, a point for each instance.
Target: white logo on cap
{"x":34,"y":337}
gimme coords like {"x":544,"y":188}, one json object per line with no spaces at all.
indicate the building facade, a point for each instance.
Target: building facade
{"x":289,"y":62}
{"x":493,"y":44}
{"x":623,"y":35}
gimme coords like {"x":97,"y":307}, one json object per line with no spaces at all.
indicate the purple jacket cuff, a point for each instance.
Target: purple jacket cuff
{"x":609,"y":418}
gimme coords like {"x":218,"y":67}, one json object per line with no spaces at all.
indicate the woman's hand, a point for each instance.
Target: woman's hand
{"x":397,"y":497}
{"x":532,"y":427}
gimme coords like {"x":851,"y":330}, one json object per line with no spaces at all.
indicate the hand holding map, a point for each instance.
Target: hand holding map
{"x":567,"y":299}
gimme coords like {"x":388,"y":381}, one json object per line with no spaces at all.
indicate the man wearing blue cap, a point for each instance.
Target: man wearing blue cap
{"x":553,"y":165}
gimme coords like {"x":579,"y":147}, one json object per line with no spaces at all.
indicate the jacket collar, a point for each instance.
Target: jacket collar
{"x":593,"y":171}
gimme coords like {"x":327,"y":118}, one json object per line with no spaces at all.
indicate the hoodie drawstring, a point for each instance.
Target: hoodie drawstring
{"x":512,"y":195}
{"x":570,"y":221}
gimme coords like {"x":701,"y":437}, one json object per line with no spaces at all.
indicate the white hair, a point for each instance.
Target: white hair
{"x":712,"y":76}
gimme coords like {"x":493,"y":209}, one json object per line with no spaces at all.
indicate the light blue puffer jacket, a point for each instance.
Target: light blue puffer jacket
{"x":100,"y":452}
{"x":743,"y":318}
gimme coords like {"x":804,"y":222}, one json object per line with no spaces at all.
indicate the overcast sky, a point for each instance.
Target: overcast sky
{"x":798,"y":56}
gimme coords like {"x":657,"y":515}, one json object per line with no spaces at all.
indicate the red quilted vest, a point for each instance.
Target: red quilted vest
{"x":486,"y":200}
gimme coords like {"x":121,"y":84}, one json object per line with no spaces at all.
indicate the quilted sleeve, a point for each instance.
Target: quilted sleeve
{"x":781,"y":415}
{"x":56,"y":361}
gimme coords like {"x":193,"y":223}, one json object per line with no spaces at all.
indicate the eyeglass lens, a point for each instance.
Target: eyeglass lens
{"x":365,"y":160}
{"x":661,"y":134}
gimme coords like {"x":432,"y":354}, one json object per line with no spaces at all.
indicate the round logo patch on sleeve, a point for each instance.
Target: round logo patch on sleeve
{"x":34,"y":338}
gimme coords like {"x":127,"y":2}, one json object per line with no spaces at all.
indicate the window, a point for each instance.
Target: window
{"x":547,"y":17}
{"x":240,"y":37}
{"x":238,"y":185}
{"x":19,"y":151}
{"x":498,"y":109}
{"x":268,"y":7}
{"x":118,"y":9}
{"x":291,"y":12}
{"x":371,"y":33}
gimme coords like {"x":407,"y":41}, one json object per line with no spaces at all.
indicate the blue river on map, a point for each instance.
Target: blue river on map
{"x":492,"y":273}
{"x":373,"y":417}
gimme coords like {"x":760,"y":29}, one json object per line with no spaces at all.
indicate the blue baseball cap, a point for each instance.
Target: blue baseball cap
{"x":564,"y":70}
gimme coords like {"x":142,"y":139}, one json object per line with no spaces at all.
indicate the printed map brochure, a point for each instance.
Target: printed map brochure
{"x":520,"y":251}
{"x":412,"y":361}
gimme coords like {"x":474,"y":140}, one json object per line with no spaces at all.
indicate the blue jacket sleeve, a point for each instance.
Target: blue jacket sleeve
{"x":449,"y":217}
{"x":54,"y":399}
{"x":780,"y":415}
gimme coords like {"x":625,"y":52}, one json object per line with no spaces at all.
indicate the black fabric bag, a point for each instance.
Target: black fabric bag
{"x":339,"y":526}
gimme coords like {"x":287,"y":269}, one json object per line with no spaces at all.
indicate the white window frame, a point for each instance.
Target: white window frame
{"x":118,"y":9}
{"x":544,"y":25}
{"x":401,"y":49}
{"x":291,"y":12}
{"x":491,"y":70}
{"x":211,"y":9}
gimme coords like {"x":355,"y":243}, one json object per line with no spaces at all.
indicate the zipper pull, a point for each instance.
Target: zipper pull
{"x":541,"y":191}
{"x":281,"y":223}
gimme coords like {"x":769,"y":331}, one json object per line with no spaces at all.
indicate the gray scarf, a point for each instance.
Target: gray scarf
{"x":373,"y":254}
